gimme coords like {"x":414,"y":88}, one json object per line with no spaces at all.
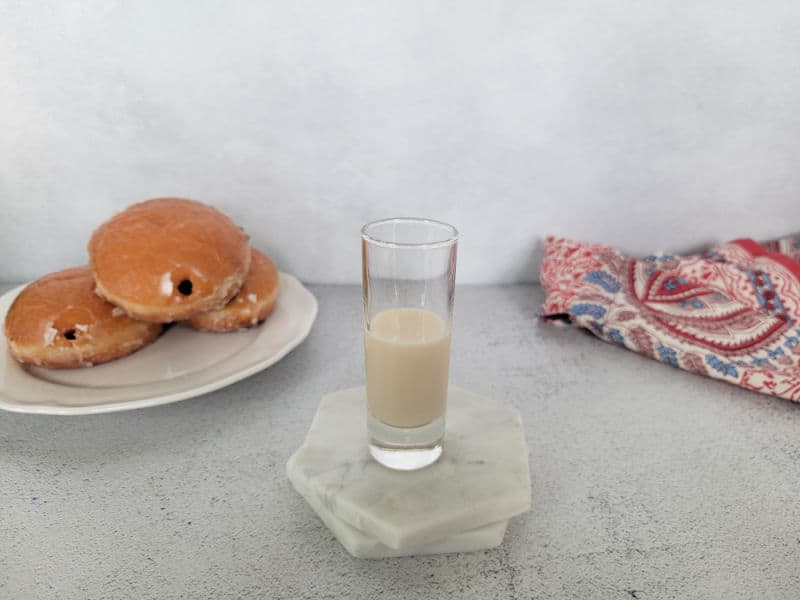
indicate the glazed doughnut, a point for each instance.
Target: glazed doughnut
{"x":168,"y":259}
{"x":250,"y":306}
{"x":59,"y":322}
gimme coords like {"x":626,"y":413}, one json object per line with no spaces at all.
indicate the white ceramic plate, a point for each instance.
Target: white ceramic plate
{"x":181,"y":364}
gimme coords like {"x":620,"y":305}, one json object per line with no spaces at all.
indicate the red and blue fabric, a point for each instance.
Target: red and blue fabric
{"x":731,"y":313}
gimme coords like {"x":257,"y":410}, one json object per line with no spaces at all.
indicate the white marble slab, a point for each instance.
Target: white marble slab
{"x":360,"y":545}
{"x":481,"y":479}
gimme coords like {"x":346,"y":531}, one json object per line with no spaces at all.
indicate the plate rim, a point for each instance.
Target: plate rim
{"x":169,"y":397}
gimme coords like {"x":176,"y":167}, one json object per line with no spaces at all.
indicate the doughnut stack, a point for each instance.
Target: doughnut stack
{"x":157,"y":262}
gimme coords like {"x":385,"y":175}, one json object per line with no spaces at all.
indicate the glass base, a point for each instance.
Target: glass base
{"x":405,"y":448}
{"x":404,"y":459}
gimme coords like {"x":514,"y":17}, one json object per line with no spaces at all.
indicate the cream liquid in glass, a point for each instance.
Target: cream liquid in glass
{"x":407,"y":360}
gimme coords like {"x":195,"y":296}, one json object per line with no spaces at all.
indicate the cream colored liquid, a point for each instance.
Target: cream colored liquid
{"x":408,"y":356}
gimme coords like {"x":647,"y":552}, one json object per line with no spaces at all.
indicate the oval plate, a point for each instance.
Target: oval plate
{"x":181,"y":364}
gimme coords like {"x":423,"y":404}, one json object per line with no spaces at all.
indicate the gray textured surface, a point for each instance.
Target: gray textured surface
{"x":647,"y":482}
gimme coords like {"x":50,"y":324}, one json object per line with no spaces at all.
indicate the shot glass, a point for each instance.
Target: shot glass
{"x":409,"y":271}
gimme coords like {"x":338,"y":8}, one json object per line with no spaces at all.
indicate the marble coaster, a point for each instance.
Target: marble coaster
{"x":481,"y":480}
{"x":361,"y":545}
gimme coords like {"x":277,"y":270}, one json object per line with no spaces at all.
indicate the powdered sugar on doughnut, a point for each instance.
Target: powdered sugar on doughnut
{"x":50,"y":334}
{"x":166,"y":284}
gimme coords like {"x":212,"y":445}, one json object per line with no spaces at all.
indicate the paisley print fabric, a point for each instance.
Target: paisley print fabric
{"x":731,"y":313}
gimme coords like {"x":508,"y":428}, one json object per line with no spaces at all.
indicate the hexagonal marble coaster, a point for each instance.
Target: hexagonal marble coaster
{"x":481,"y":480}
{"x":361,"y":545}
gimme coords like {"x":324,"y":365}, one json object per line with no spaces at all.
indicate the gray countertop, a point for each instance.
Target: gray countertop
{"x":648,"y":482}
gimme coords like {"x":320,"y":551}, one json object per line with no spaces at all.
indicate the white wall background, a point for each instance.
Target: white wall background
{"x":652,"y":125}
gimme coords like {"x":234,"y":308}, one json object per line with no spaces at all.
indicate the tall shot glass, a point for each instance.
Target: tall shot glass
{"x":409,"y":271}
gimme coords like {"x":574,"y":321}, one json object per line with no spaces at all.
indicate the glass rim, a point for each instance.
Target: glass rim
{"x":452,"y":238}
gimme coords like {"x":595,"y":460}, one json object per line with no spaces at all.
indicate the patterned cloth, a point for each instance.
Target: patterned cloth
{"x":732,"y":313}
